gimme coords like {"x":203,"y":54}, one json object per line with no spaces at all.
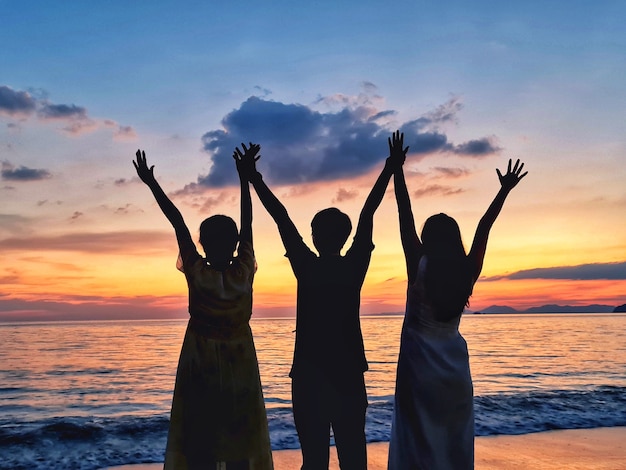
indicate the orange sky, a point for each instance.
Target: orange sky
{"x":81,"y":237}
{"x":126,"y":267}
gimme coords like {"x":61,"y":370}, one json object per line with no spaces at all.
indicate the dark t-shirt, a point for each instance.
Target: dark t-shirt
{"x":328,"y":330}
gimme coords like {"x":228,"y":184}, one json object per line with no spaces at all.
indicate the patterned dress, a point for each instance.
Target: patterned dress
{"x":433,"y":418}
{"x":218,"y":417}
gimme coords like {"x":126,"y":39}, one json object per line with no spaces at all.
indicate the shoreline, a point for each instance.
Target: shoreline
{"x":572,"y":449}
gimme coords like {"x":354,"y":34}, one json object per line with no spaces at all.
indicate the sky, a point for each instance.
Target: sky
{"x":320,"y":86}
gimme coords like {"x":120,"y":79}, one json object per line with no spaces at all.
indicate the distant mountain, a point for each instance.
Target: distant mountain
{"x":498,"y":309}
{"x":595,"y":308}
{"x":552,"y":308}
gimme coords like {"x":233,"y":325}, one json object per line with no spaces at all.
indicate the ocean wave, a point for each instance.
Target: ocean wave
{"x":88,"y":443}
{"x":523,"y":413}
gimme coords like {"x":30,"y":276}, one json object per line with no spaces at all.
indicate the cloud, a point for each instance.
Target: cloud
{"x":347,"y":138}
{"x":478,"y":147}
{"x":451,"y":172}
{"x":124,"y":133}
{"x":79,"y":307}
{"x":43,"y":202}
{"x":80,"y":126}
{"x":202,"y":198}
{"x":583,"y":272}
{"x":14,"y":223}
{"x":62,"y":111}
{"x":344,"y":195}
{"x":75,"y":118}
{"x":128,"y":242}
{"x":16,"y":103}
{"x":262,"y":91}
{"x":436,"y":189}
{"x":446,"y":112}
{"x":9,"y":172}
{"x":125,"y":209}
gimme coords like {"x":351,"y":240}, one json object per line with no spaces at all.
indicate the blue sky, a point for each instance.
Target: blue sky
{"x":320,"y":85}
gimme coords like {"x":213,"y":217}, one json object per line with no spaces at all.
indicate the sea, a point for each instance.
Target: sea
{"x":88,"y":395}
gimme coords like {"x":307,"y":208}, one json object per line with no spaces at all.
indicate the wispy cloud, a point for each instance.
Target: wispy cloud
{"x":75,"y":119}
{"x":586,"y":272}
{"x":10,"y":172}
{"x":450,"y":172}
{"x":123,"y":133}
{"x":129,"y":242}
{"x":301,"y":143}
{"x":76,"y":307}
{"x":44,"y":202}
{"x":436,"y":189}
{"x":344,"y":195}
{"x":14,"y":223}
{"x":202,"y":198}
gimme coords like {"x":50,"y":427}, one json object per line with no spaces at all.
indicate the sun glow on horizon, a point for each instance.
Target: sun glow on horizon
{"x":79,"y":231}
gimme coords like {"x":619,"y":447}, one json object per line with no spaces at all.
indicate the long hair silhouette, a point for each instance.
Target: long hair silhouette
{"x":448,"y":278}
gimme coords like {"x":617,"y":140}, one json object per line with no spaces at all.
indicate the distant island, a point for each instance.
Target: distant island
{"x":549,"y":308}
{"x":552,"y":308}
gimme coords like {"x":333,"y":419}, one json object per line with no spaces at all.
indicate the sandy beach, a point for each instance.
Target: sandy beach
{"x":588,"y":449}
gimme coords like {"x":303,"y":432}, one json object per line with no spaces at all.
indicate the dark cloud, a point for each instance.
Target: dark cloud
{"x":22,"y":173}
{"x":301,"y":144}
{"x":582,"y":272}
{"x":15,"y":103}
{"x":478,"y":147}
{"x":62,"y":111}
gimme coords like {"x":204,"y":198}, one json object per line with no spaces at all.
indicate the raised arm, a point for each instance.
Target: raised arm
{"x":245,"y":162}
{"x":395,"y":160}
{"x":146,"y":174}
{"x":479,"y":245}
{"x":274,"y":207}
{"x":411,"y":244}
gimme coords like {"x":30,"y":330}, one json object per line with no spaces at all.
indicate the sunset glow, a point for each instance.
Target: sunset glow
{"x":81,"y":237}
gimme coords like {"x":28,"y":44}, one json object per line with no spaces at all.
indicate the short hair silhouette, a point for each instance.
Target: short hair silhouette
{"x":330,"y":229}
{"x":219,"y":237}
{"x":448,"y":279}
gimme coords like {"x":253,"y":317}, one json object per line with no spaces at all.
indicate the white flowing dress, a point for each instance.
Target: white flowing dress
{"x":433,"y":417}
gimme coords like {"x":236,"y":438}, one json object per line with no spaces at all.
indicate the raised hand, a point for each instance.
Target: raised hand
{"x":512,"y":176}
{"x":246,"y":160}
{"x":397,"y":151}
{"x":145,"y":174}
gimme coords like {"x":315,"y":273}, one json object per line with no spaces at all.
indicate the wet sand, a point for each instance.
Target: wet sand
{"x":588,"y":449}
